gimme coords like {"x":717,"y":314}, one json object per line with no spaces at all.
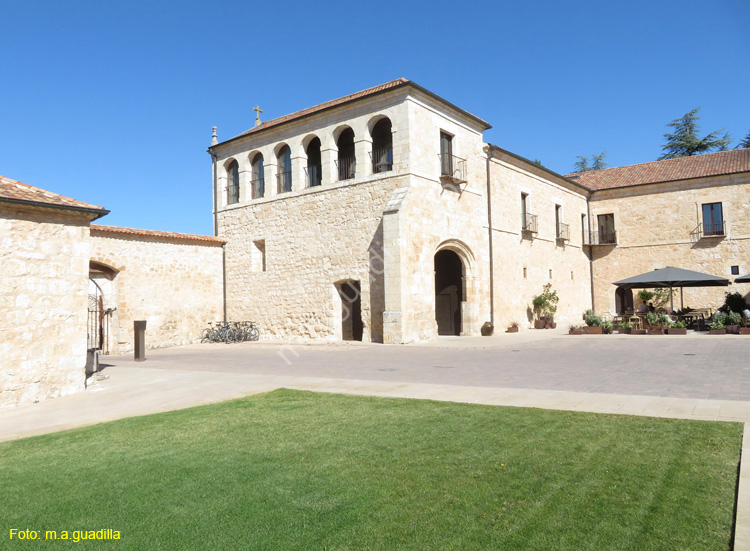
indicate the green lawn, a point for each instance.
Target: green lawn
{"x":295,"y":470}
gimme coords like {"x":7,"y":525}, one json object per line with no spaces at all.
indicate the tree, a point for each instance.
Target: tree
{"x":744,"y":142}
{"x":684,"y":141}
{"x":597,"y":163}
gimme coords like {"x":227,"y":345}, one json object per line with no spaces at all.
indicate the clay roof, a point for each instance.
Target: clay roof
{"x":346,"y":99}
{"x":682,"y":168}
{"x":13,"y":191}
{"x":104,"y":230}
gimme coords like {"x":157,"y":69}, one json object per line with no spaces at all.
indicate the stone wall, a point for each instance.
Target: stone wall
{"x":44,"y":258}
{"x":173,"y":282}
{"x":525,"y":261}
{"x":654,"y":225}
{"x":313,"y":240}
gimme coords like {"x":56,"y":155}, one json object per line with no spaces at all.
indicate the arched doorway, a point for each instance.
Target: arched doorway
{"x":449,"y":293}
{"x":623,"y":300}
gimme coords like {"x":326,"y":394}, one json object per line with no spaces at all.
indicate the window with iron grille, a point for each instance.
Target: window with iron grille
{"x":713,"y":219}
{"x":233,"y":183}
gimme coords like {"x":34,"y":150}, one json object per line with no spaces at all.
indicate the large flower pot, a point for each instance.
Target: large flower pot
{"x":744,"y":330}
{"x":593,"y":330}
{"x":512,"y":330}
{"x":656,"y":331}
{"x":626,"y":331}
{"x":733,"y":329}
{"x":717,"y":331}
{"x":539,"y":324}
{"x":677,"y":331}
{"x":638,"y":332}
{"x":487,"y":329}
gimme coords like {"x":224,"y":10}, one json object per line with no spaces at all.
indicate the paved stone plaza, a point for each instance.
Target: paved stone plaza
{"x":700,"y":366}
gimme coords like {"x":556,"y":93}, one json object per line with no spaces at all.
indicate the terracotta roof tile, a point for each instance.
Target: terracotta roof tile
{"x":310,"y":110}
{"x":340,"y":101}
{"x":15,"y":191}
{"x":98,"y":229}
{"x":682,"y":168}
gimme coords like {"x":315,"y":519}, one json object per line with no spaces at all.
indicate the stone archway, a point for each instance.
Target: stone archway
{"x":448,"y":292}
{"x":455,"y":301}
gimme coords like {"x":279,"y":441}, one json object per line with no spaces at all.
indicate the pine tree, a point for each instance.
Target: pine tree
{"x":597,"y":163}
{"x":684,"y":141}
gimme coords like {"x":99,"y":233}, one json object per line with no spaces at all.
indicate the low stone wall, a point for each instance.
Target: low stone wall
{"x":173,"y":281}
{"x":44,"y":259}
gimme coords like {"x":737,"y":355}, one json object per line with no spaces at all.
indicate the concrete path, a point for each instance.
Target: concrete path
{"x":689,"y":377}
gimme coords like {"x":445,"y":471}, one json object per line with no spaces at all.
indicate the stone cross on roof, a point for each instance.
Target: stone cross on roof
{"x":258,"y":111}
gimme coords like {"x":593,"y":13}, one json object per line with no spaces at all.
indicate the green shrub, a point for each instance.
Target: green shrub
{"x":652,"y":319}
{"x":592,"y":320}
{"x":733,"y":318}
{"x":643,"y":294}
{"x":678,"y":325}
{"x":734,"y":302}
{"x":663,"y":319}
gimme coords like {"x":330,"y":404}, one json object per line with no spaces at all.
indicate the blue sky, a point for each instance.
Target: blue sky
{"x":112,"y":103}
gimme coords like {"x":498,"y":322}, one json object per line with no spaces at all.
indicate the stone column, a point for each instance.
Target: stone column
{"x":362,"y":150}
{"x":393,"y":323}
{"x":328,"y":166}
{"x":270,"y":170}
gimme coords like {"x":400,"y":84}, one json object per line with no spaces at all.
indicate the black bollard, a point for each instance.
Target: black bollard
{"x":140,"y":340}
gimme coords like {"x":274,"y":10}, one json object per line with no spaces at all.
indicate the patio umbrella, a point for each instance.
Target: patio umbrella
{"x":743,"y":279}
{"x":672,"y":277}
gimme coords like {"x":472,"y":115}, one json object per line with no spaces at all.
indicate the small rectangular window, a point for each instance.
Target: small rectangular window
{"x":735,"y":270}
{"x":524,"y":273}
{"x":606,"y":229}
{"x":713,"y":219}
{"x":258,"y":256}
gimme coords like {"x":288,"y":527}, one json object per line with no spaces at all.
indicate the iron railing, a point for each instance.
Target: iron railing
{"x":347,"y":167}
{"x":259,"y":187}
{"x":602,"y":238}
{"x":712,"y":229}
{"x":314,"y":175}
{"x":563,"y":232}
{"x":285,"y":181}
{"x":233,"y":193}
{"x":452,"y":167}
{"x":528,"y":223}
{"x":382,"y":160}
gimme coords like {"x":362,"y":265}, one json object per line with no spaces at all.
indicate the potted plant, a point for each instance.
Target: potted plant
{"x":545,"y":306}
{"x":716,"y":327}
{"x":677,"y":328}
{"x":513,"y":327}
{"x":626,"y":328}
{"x":654,"y":324}
{"x":575,"y":330}
{"x":732,"y":323}
{"x":593,"y":323}
{"x":607,"y":327}
{"x":745,"y":329}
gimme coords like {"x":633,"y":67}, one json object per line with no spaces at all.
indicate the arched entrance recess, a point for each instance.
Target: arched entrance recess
{"x":455,"y":310}
{"x":623,"y":300}
{"x":448,"y":292}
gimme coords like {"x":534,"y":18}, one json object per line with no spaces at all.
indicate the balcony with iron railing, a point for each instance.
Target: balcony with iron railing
{"x":258,"y":187}
{"x":313,"y":175}
{"x":602,"y":238}
{"x":284,"y":181}
{"x":563,"y":232}
{"x":382,"y":160}
{"x":347,"y":167}
{"x":528,"y":223}
{"x":711,"y":229}
{"x":452,"y":169}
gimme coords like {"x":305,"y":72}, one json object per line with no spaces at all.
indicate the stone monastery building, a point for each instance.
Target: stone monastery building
{"x":382,"y":216}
